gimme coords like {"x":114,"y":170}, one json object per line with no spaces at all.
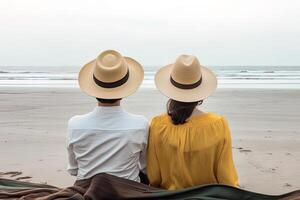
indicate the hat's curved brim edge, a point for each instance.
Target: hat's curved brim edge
{"x":205,"y":89}
{"x":87,"y":84}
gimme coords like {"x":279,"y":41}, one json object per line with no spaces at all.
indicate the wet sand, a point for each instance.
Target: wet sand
{"x":265,"y":126}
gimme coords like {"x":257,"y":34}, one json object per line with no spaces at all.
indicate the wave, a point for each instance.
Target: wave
{"x":20,"y":72}
{"x":231,"y":78}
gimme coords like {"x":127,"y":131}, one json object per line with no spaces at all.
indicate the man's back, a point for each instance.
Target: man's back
{"x":107,"y":140}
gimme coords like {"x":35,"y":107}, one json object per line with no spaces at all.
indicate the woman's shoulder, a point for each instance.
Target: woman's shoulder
{"x":208,"y":116}
{"x":209,"y":119}
{"x":162,"y":118}
{"x":215,"y":116}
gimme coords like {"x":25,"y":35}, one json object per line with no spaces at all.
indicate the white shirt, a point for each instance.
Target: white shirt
{"x":107,"y":140}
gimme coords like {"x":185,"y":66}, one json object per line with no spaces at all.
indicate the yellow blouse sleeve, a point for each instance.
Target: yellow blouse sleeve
{"x":153,"y":171}
{"x":226,"y":172}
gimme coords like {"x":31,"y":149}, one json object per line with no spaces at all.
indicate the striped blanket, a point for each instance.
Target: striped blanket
{"x":104,"y":186}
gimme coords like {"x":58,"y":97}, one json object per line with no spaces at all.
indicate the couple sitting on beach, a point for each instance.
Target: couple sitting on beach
{"x":183,"y":148}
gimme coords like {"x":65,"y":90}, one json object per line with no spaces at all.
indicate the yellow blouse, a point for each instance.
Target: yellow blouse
{"x":197,"y":152}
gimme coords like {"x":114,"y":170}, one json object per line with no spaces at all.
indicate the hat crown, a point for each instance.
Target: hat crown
{"x":186,"y":70}
{"x":110,"y":66}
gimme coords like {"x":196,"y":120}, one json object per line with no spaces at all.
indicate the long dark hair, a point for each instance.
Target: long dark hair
{"x":181,"y":111}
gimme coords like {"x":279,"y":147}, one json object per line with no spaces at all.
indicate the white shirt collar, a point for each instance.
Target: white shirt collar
{"x":108,"y":109}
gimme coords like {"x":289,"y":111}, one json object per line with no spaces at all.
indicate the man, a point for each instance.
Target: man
{"x":108,"y":139}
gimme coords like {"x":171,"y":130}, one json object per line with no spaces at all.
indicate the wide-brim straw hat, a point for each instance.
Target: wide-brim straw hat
{"x":111,"y":76}
{"x":186,"y":80}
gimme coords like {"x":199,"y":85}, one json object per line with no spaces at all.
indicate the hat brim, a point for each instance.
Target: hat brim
{"x":205,"y":89}
{"x":88,"y":85}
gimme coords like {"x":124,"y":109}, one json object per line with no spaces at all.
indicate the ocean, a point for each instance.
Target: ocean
{"x":272,"y":77}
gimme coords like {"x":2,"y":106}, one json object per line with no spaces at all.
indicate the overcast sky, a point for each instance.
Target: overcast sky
{"x":218,"y":32}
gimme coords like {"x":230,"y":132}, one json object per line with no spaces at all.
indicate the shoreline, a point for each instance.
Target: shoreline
{"x":149,"y":85}
{"x":264,"y":125}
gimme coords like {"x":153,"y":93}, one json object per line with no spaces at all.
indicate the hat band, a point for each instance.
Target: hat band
{"x":185,"y":86}
{"x":112,"y":84}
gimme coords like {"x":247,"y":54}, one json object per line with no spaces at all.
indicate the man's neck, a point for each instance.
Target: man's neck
{"x":109,"y":104}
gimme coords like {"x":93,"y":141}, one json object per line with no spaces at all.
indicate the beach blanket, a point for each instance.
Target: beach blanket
{"x":104,"y":186}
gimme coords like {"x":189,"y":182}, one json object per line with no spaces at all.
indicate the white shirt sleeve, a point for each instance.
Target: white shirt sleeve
{"x":72,"y":163}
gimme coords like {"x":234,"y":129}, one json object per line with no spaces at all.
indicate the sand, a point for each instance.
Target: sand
{"x":264,"y":123}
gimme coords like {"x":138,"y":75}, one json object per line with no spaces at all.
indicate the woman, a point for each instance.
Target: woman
{"x":187,"y":146}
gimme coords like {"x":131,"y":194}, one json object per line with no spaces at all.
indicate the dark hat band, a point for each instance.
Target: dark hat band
{"x":185,"y":86}
{"x":112,"y":84}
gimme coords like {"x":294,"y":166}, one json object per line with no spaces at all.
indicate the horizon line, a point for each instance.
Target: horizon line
{"x":156,"y":65}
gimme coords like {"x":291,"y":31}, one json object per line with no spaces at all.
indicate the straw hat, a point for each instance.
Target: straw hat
{"x":111,"y":76}
{"x":186,"y":80}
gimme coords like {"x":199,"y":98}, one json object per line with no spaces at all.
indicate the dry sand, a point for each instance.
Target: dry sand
{"x":265,"y":127}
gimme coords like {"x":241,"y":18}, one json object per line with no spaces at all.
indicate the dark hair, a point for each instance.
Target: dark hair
{"x":111,"y":101}
{"x":181,"y":111}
